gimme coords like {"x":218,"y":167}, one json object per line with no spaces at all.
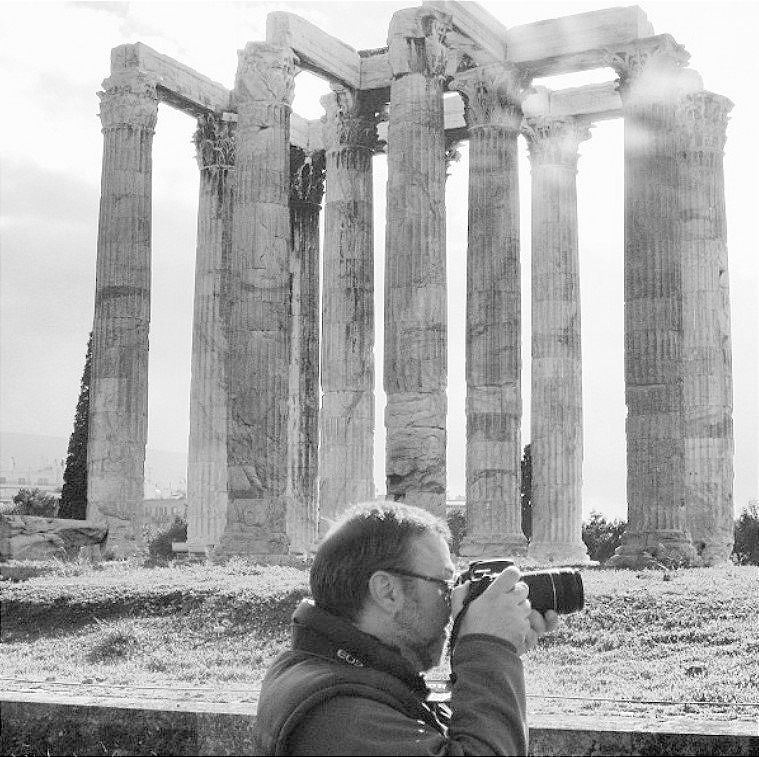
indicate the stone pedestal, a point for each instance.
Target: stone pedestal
{"x":415,"y":267}
{"x":258,"y":302}
{"x":207,"y":453}
{"x":346,"y":451}
{"x":652,"y":82}
{"x":493,"y":326}
{"x":119,"y":389}
{"x":707,"y":384}
{"x":306,"y":190}
{"x":556,"y":416}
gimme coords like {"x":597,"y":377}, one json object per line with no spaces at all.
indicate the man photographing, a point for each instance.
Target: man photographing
{"x":383,"y":595}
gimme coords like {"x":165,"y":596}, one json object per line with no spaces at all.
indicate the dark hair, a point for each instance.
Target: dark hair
{"x":367,"y":538}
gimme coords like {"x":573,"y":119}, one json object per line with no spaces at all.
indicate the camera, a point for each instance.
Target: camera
{"x":560,"y":590}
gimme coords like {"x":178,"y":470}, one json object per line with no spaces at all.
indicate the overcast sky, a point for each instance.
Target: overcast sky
{"x":53,"y":58}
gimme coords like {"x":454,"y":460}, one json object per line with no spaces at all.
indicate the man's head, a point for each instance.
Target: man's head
{"x":361,"y":573}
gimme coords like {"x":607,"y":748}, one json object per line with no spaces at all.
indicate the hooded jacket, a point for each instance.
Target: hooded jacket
{"x":341,"y":691}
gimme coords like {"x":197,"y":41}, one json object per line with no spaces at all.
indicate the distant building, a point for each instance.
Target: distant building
{"x":47,"y":478}
{"x":160,"y":513}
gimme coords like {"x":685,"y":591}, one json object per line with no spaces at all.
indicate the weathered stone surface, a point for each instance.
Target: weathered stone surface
{"x":177,"y":84}
{"x":119,"y":389}
{"x":27,"y":537}
{"x":316,"y":50}
{"x":347,"y":422}
{"x":415,"y":279}
{"x":652,"y":82}
{"x":708,"y":401}
{"x":556,"y":397}
{"x":493,"y":343}
{"x":207,"y":455}
{"x":306,"y":190}
{"x":258,"y":301}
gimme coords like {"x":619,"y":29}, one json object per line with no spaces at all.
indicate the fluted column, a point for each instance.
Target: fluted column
{"x":652,"y":82}
{"x":306,"y":190}
{"x":119,"y":390}
{"x":493,"y":313}
{"x":258,"y":299}
{"x":415,"y":271}
{"x":706,"y":327}
{"x":346,"y":451}
{"x":556,"y":396}
{"x":207,"y":453}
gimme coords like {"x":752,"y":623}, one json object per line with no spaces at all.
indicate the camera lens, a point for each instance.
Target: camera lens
{"x":560,"y":590}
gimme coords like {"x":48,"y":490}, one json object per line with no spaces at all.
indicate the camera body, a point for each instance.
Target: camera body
{"x":560,"y":590}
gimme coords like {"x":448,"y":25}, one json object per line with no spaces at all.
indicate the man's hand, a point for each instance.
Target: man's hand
{"x":504,"y":611}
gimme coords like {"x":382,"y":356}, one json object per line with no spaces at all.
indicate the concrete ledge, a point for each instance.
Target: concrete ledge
{"x":43,"y":723}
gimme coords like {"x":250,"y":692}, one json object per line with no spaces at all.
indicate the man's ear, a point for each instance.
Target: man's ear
{"x":385,"y":591}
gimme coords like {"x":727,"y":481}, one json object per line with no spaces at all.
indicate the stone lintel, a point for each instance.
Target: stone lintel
{"x":574,"y":43}
{"x":596,"y":102}
{"x":480,"y":34}
{"x":176,"y":84}
{"x":317,"y":51}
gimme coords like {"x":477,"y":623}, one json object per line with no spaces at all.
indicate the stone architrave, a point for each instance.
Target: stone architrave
{"x":652,"y":82}
{"x":556,"y":436}
{"x":493,"y":112}
{"x":207,"y":455}
{"x":415,"y":366}
{"x":258,"y":301}
{"x":347,"y":419}
{"x":306,"y":190}
{"x":706,"y":327}
{"x":119,"y":389}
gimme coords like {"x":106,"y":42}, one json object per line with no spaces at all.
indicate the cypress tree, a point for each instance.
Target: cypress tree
{"x":74,"y":494}
{"x":526,"y":492}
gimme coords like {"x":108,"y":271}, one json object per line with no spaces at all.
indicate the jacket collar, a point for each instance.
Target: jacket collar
{"x":321,"y":633}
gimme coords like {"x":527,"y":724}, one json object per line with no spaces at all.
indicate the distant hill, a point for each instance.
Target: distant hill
{"x":165,"y":471}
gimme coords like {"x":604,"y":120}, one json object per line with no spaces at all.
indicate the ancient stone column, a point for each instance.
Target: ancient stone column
{"x":556,"y":396}
{"x":347,"y":417}
{"x":706,"y":327}
{"x":306,"y":190}
{"x":119,"y":390}
{"x":415,"y":272}
{"x":207,"y":455}
{"x":258,"y":302}
{"x":652,"y":82}
{"x":493,"y":317}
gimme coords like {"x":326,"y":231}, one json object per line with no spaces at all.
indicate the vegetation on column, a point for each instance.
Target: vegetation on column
{"x":74,"y":493}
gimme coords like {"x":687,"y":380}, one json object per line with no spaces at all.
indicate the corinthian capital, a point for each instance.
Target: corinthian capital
{"x":416,"y":42}
{"x":214,"y":143}
{"x":651,"y":69}
{"x":307,"y":172}
{"x":555,"y":141}
{"x":703,"y":118}
{"x":492,"y":95}
{"x":350,"y":119}
{"x":129,"y":99}
{"x":265,"y":73}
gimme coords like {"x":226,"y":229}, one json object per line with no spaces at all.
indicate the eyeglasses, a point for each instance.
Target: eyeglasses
{"x":446,"y":584}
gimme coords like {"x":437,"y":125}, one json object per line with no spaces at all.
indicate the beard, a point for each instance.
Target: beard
{"x":423,"y":637}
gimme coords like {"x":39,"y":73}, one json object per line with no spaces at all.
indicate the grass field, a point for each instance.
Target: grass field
{"x":687,"y":646}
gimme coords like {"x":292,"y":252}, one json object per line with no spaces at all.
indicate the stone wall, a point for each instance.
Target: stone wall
{"x":41,"y":724}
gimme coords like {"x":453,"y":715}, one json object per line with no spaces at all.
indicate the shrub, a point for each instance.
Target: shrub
{"x":35,"y":502}
{"x":602,"y":537}
{"x":746,"y":533}
{"x":159,"y":547}
{"x":457,"y":524}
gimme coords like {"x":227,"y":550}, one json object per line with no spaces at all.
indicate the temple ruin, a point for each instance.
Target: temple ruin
{"x":282,"y":407}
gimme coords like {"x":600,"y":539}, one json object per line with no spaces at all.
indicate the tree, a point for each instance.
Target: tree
{"x":746,"y":532}
{"x":602,"y":537}
{"x":526,"y":492}
{"x":74,"y":493}
{"x":35,"y":502}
